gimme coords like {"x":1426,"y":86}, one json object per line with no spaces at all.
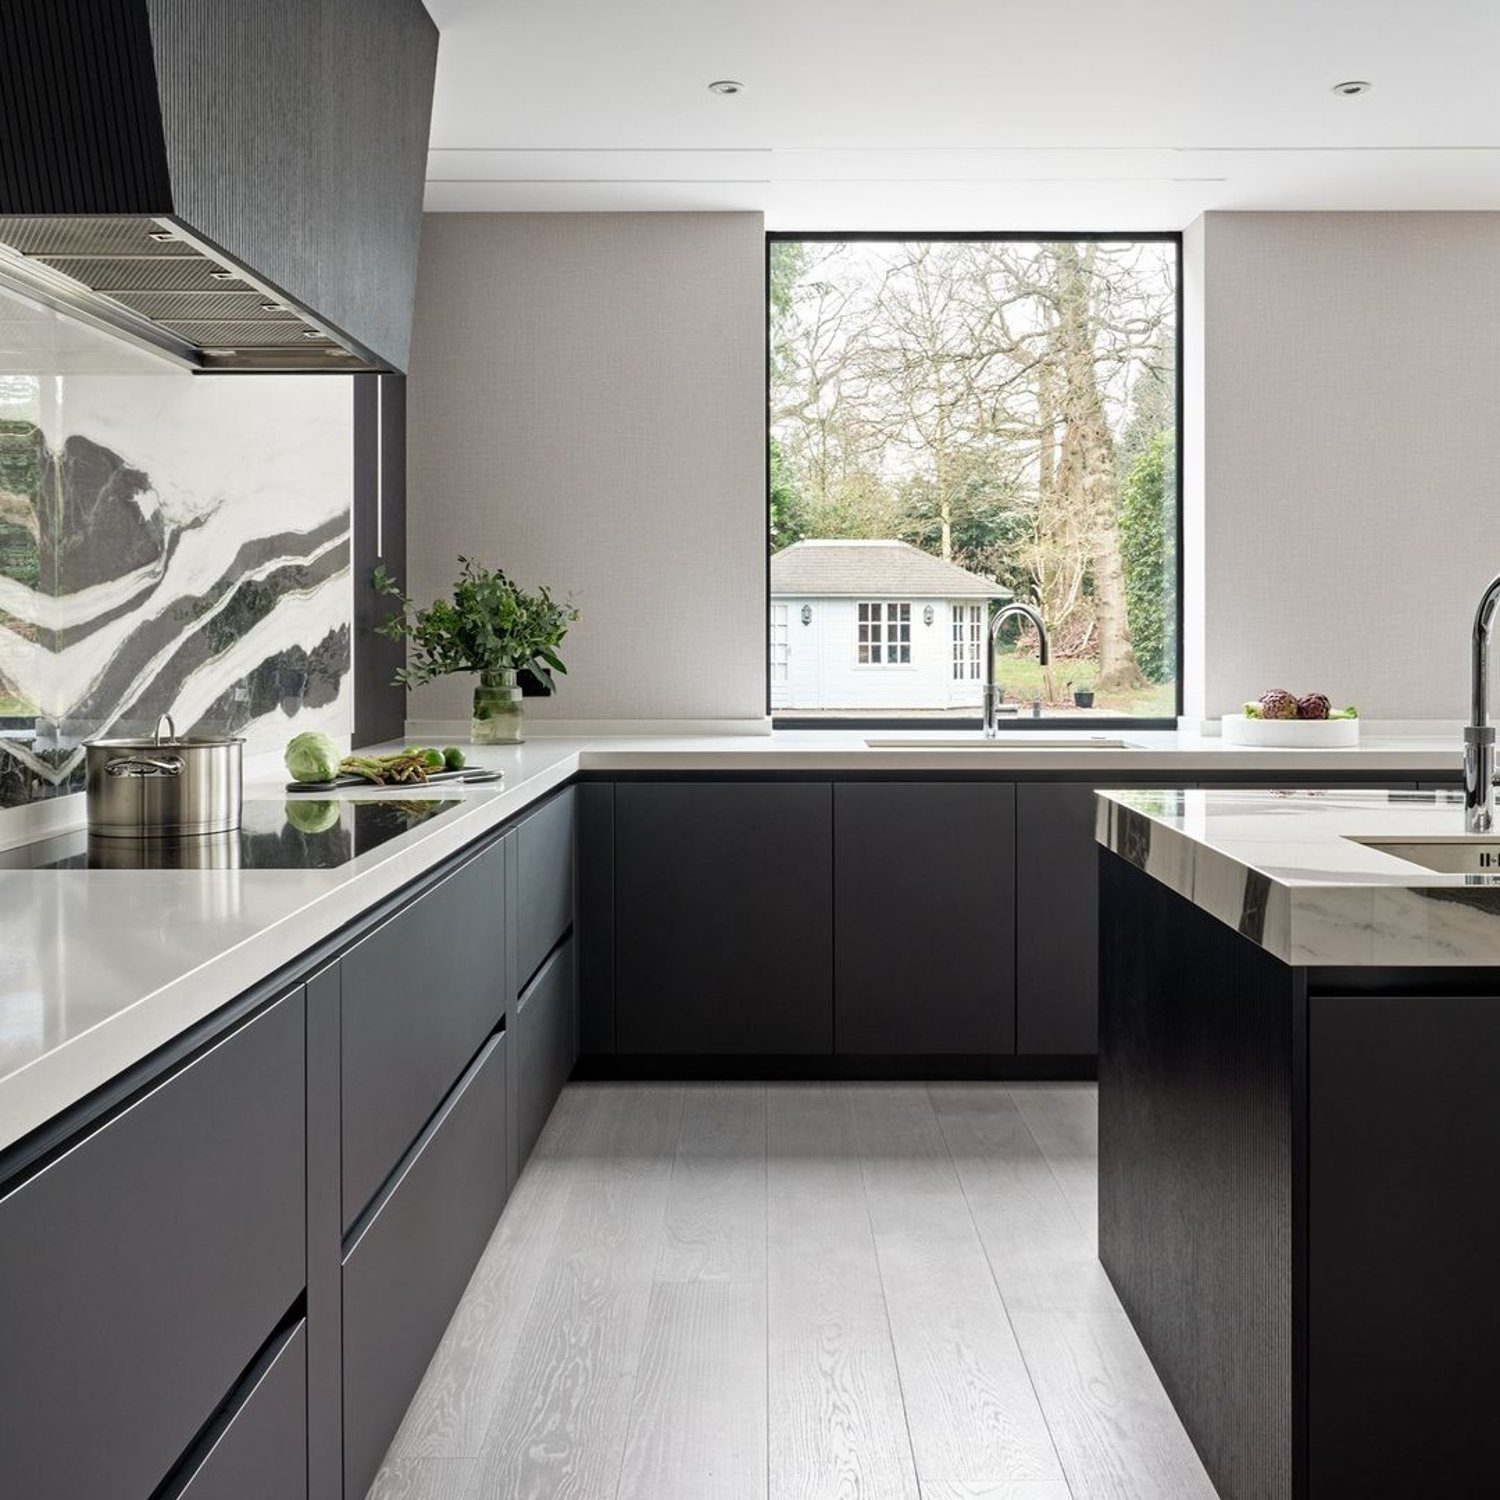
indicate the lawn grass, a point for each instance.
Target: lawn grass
{"x":1023,"y":680}
{"x":16,"y":708}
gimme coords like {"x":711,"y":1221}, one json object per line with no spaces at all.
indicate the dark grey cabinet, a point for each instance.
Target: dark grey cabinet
{"x":723,"y":917}
{"x":924,"y":918}
{"x":419,"y":996}
{"x":410,"y":1258}
{"x":546,"y":1043}
{"x":1057,"y":919}
{"x":143,"y":1268}
{"x":258,"y":1448}
{"x":544,"y":882}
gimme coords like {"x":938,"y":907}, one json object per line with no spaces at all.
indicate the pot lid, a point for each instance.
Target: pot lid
{"x":170,"y":740}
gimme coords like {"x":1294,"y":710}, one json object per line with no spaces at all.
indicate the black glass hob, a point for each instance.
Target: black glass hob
{"x":292,"y":833}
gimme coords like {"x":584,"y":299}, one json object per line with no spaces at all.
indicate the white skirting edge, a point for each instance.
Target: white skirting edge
{"x":573,"y":729}
{"x":40,"y":820}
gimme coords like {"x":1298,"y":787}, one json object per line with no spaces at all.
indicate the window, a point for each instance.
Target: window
{"x":780,"y":644}
{"x":885,"y":635}
{"x":968,"y":664}
{"x":961,"y":420}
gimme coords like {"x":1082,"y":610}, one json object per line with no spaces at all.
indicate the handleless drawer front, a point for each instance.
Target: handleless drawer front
{"x":142,"y":1269}
{"x":546,"y":1037}
{"x":544,"y":897}
{"x":411,"y":1259}
{"x":260,"y":1450}
{"x":419,"y":996}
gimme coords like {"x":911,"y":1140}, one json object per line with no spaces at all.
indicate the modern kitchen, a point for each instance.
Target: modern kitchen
{"x":747,"y":753}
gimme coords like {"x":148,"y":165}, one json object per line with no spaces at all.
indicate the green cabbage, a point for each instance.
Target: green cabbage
{"x":312,"y":814}
{"x":312,"y":756}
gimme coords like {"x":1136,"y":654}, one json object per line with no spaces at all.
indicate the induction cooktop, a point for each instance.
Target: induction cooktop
{"x":292,"y":833}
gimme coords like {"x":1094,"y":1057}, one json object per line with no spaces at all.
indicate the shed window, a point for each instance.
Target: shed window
{"x":968,"y":623}
{"x":884,"y":635}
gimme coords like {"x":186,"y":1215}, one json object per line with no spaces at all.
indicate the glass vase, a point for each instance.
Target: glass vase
{"x":497,"y":708}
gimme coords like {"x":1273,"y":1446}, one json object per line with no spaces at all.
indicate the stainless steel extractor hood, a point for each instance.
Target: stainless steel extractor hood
{"x":236,"y":184}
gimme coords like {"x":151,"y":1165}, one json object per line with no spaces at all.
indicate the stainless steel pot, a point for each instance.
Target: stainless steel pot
{"x":164,"y":787}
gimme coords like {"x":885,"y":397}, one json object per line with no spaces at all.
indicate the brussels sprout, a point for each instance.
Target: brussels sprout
{"x":312,"y":814}
{"x":312,"y":756}
{"x":453,"y":758}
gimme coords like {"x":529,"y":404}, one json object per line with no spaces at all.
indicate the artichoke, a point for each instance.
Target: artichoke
{"x":1278,"y":704}
{"x":453,"y":758}
{"x":1313,"y":706}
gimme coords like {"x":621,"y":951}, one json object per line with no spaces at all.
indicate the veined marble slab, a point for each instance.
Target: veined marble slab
{"x":1288,"y":870}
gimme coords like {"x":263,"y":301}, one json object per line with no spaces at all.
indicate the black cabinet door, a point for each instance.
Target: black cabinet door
{"x":142,"y":1269}
{"x":411,"y":1258}
{"x":258,"y":1448}
{"x":924,"y":918}
{"x":544,"y":882}
{"x":418,"y":997}
{"x":723,"y":917}
{"x":1057,"y":919}
{"x":546,"y":1042}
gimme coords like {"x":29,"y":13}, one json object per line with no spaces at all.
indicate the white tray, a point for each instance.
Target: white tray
{"x":1291,"y":734}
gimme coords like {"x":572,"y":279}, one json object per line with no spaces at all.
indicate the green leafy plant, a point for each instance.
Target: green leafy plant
{"x":489,"y":624}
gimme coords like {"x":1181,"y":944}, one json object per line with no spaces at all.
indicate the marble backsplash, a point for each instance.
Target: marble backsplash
{"x":169,"y":544}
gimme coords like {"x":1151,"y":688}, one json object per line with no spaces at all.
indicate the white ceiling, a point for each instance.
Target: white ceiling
{"x":965,"y":113}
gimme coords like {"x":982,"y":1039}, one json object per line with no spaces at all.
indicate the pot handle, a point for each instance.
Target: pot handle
{"x":142,"y":766}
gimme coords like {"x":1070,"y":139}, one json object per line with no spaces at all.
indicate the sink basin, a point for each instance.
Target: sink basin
{"x":1459,"y":855}
{"x":973,"y":741}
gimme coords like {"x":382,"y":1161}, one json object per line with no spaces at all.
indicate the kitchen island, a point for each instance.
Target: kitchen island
{"x":1298,"y":1050}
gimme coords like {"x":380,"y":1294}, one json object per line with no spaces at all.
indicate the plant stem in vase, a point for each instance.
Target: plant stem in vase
{"x":497,"y":709}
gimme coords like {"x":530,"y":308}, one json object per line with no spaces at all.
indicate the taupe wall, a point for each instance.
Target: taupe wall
{"x":587,"y":410}
{"x":1343,"y":500}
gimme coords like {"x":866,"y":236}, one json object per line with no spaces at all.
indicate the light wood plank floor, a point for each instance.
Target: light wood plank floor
{"x":797,"y":1292}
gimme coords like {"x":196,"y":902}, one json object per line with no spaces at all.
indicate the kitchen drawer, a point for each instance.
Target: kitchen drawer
{"x":419,"y":996}
{"x":259,"y":1448}
{"x":544,"y":883}
{"x":546,"y":1036}
{"x":142,"y":1269}
{"x":410,"y":1259}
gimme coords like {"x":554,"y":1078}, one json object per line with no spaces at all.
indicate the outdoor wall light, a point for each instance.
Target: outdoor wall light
{"x":807,"y":614}
{"x":927,"y":615}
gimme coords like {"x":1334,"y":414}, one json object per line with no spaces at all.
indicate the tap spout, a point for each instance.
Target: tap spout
{"x":1479,"y":734}
{"x":1043,"y":655}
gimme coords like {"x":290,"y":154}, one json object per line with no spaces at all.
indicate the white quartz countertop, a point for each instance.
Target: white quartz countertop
{"x":1295,"y":871}
{"x":99,"y":968}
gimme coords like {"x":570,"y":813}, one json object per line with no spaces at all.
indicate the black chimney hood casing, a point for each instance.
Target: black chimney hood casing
{"x":236,"y":183}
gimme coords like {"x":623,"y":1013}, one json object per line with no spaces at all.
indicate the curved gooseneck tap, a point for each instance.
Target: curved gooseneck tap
{"x":1043,"y":655}
{"x":1479,"y":736}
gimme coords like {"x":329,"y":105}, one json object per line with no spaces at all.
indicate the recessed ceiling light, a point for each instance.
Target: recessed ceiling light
{"x":726,"y":86}
{"x":161,"y":236}
{"x":1351,"y":88}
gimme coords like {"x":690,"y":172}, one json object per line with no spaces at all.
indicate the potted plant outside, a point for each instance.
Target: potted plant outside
{"x":491,"y":626}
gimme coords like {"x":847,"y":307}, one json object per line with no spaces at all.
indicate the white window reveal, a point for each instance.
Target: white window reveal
{"x":884,"y":635}
{"x":780,"y":643}
{"x":968,"y":642}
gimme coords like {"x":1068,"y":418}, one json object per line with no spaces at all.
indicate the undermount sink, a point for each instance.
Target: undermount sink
{"x":1014,"y":742}
{"x":1461,"y":854}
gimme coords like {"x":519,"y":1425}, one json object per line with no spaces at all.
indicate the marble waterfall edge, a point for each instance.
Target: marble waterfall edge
{"x":1292,"y":872}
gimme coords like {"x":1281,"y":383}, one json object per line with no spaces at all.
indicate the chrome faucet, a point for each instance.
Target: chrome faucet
{"x":1479,"y":735}
{"x":1043,"y":655}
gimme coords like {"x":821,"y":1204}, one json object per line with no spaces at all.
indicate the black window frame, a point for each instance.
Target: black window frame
{"x":1045,"y":722}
